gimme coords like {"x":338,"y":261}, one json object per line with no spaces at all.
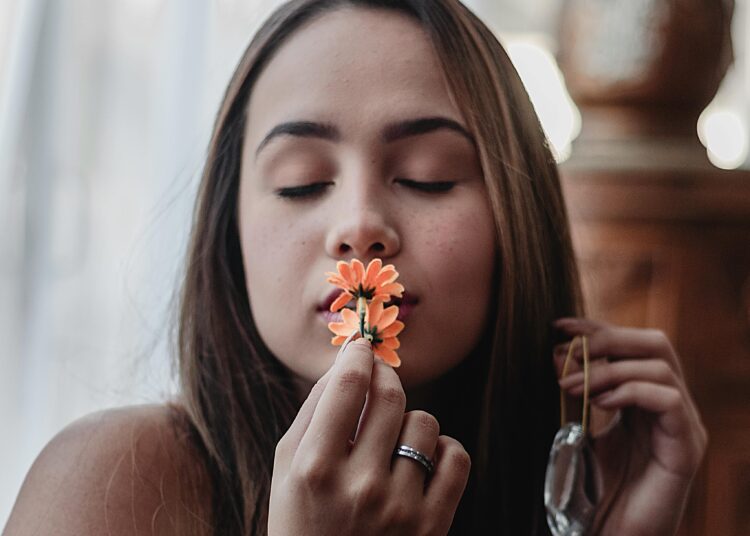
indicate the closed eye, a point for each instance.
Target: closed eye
{"x":307,"y":190}
{"x":429,"y":186}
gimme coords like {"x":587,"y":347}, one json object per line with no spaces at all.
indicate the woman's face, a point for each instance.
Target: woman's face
{"x":349,"y":175}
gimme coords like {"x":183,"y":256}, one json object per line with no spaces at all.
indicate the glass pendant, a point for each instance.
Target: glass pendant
{"x":570,"y":484}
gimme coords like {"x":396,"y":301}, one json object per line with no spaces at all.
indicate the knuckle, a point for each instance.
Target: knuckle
{"x":674,"y":399}
{"x":352,"y":380}
{"x":664,"y":372}
{"x":457,"y":459}
{"x":426,"y":422}
{"x":626,"y":390}
{"x":391,"y":394}
{"x":369,"y":492}
{"x":402,"y":515}
{"x":312,"y":473}
{"x":659,"y":339}
{"x":461,"y":461}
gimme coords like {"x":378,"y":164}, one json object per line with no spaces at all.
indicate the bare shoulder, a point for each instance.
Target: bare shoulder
{"x":128,"y":470}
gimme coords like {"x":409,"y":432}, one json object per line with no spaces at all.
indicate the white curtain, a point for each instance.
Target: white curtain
{"x":105,"y":112}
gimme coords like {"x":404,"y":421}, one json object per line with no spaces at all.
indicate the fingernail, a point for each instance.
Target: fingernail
{"x":353,"y":337}
{"x":362,"y":341}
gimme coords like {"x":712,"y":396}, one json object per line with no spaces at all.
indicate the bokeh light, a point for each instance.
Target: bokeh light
{"x":724,"y":134}
{"x":544,"y":82}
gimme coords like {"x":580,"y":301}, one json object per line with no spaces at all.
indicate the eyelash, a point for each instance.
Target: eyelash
{"x":428,"y":187}
{"x":311,"y":190}
{"x":308,"y":190}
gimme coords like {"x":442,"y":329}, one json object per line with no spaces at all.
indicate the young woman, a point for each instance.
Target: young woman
{"x":396,"y":130}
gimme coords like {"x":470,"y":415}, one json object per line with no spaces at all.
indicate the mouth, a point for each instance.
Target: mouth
{"x":405,"y":303}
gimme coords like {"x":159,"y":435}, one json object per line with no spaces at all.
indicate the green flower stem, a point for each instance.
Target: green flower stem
{"x":361,"y":309}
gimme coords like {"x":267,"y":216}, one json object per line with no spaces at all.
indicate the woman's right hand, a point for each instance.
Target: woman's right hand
{"x":326,"y":483}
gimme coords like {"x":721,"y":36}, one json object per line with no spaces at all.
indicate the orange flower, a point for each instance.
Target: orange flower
{"x":376,"y":283}
{"x":381,"y":328}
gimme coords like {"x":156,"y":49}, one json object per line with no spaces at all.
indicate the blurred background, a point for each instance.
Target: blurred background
{"x":105,"y":113}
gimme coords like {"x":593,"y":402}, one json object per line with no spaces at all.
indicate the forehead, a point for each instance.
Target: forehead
{"x":355,"y":67}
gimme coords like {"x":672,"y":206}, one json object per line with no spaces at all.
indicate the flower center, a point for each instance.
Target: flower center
{"x":362,"y":292}
{"x":371,"y":334}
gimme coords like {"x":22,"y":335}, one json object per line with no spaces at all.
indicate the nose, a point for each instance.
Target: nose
{"x":363,"y":230}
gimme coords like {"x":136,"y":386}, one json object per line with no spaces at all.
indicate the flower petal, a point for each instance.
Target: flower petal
{"x":340,"y":301}
{"x":388,"y":317}
{"x":374,"y":312}
{"x":386,"y":275}
{"x":392,"y":289}
{"x":391,"y":342}
{"x":339,"y":328}
{"x":345,"y":271}
{"x":372,"y":273}
{"x":338,"y":340}
{"x":387,"y":355}
{"x":350,"y":318}
{"x":392,"y":330}
{"x":359,"y":271}
{"x":336,"y":279}
{"x":379,"y":298}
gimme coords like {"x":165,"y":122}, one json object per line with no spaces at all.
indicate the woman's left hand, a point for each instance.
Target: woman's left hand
{"x":649,"y":459}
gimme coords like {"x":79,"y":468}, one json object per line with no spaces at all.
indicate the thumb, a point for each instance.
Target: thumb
{"x":299,"y":426}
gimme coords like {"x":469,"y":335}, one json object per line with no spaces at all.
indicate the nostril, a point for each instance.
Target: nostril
{"x":378,"y":246}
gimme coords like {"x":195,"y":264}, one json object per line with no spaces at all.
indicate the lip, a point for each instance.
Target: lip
{"x":406,"y":305}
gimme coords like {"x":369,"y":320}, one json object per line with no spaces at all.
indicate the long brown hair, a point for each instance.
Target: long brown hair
{"x":238,"y":398}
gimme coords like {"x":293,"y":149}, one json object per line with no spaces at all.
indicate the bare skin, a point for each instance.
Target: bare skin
{"x":119,"y":471}
{"x":323,"y":483}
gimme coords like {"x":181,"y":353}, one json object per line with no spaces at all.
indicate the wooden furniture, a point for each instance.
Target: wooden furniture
{"x":663,"y":241}
{"x":663,"y":237}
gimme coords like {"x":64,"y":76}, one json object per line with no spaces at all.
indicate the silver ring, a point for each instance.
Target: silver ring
{"x":411,"y":453}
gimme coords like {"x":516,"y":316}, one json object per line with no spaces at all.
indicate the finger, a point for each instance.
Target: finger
{"x":560,"y":355}
{"x":615,"y":342}
{"x":677,"y":438}
{"x":420,"y":431}
{"x":665,"y":401}
{"x":336,"y":415}
{"x":573,"y":326}
{"x":448,"y":481}
{"x":291,"y":439}
{"x":604,"y":375}
{"x":382,"y":418}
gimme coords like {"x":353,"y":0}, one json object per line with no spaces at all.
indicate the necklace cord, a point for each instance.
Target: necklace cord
{"x":563,"y":406}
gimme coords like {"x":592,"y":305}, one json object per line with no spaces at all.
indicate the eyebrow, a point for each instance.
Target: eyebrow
{"x":392,"y":132}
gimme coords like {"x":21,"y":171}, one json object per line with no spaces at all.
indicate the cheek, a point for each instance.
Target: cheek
{"x":273,"y":253}
{"x":456,"y":260}
{"x":461,"y":249}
